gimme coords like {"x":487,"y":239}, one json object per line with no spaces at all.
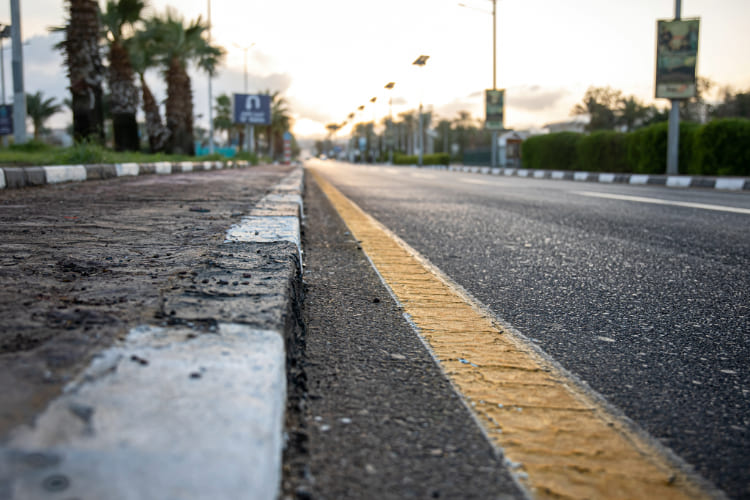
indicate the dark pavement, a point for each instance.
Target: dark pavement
{"x":647,"y":304}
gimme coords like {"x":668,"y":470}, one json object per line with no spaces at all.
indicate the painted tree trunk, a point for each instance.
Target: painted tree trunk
{"x":179,"y":110}
{"x":85,"y":70}
{"x":157,"y":132}
{"x":124,"y":99}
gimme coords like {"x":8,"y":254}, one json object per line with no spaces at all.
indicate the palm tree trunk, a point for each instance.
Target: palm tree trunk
{"x":85,"y":70}
{"x":179,"y":110}
{"x":157,"y":132}
{"x":124,"y":99}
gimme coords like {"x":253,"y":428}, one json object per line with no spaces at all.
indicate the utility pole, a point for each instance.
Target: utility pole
{"x":19,"y":94}
{"x":210,"y":94}
{"x":673,"y":136}
{"x":493,"y":162}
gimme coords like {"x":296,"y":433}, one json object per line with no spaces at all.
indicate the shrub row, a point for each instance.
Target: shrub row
{"x":721,"y":147}
{"x":432,"y":159}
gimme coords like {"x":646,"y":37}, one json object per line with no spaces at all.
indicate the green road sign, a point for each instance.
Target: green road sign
{"x":494,"y":101}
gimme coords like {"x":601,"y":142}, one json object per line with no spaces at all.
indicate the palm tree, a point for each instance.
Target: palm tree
{"x":280,"y":123}
{"x":85,"y":69}
{"x":630,"y":112}
{"x":120,"y":16}
{"x":176,"y":46}
{"x":223,"y":117}
{"x":142,"y":51}
{"x":40,"y":110}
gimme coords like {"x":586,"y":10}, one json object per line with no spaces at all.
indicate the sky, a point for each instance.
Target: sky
{"x":327,"y":57}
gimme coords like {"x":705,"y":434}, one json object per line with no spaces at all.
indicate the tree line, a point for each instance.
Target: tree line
{"x":132,"y":44}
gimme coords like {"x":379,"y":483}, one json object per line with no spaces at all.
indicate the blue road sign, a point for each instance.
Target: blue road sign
{"x":252,"y":109}
{"x":6,"y":119}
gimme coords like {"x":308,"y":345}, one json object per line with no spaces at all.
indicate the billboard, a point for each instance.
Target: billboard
{"x":494,"y":101}
{"x":251,"y":109}
{"x":676,"y":57}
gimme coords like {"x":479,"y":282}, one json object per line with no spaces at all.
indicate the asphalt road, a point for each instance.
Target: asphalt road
{"x":645,"y":298}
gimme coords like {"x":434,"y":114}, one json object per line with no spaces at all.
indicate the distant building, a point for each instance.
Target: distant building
{"x":575,"y":125}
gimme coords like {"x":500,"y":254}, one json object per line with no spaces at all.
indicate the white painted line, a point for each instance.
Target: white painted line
{"x":422,"y":176}
{"x":732,"y":184}
{"x":655,"y":201}
{"x":606,"y":177}
{"x":539,"y":174}
{"x":163,"y":168}
{"x":558,"y":175}
{"x":638,"y":179}
{"x":127,"y":169}
{"x":580,"y":176}
{"x":187,"y":166}
{"x":165,"y":414}
{"x":66,"y":173}
{"x":681,"y":181}
{"x":480,"y":182}
{"x":2,"y":178}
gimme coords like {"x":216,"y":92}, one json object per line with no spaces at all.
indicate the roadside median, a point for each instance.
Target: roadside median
{"x":192,"y":405}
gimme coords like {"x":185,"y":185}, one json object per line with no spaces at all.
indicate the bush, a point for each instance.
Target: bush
{"x":551,"y":151}
{"x":722,"y":147}
{"x":432,"y":159}
{"x":603,"y":151}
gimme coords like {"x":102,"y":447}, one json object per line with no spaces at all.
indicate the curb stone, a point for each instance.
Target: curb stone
{"x":674,"y":181}
{"x":19,"y":177}
{"x":192,"y":408}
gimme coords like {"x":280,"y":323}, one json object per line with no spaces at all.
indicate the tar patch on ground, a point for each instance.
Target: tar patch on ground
{"x":380,"y":420}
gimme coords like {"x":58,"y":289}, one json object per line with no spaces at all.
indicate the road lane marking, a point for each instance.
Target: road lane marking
{"x":480,"y":182}
{"x":562,"y":441}
{"x":422,"y":176}
{"x":656,"y":201}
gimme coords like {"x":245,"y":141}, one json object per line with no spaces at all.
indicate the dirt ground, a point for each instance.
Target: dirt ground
{"x":81,"y":264}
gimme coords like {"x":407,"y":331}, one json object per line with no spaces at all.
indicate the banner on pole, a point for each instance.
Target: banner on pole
{"x":676,"y":58}
{"x":494,"y":101}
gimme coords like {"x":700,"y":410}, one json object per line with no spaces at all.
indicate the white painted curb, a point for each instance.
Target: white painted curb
{"x":127,"y":169}
{"x":166,"y":416}
{"x":65,"y":173}
{"x":730,"y":184}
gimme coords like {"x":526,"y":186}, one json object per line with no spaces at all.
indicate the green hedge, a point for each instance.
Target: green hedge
{"x":721,"y":147}
{"x":552,"y":151}
{"x":432,"y":159}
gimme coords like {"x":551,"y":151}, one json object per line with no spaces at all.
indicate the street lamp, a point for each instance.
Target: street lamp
{"x":389,"y":126}
{"x":249,"y":129}
{"x":420,"y":61}
{"x":210,"y":93}
{"x":494,"y":69}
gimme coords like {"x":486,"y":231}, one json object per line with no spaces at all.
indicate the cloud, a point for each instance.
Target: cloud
{"x":534,"y":98}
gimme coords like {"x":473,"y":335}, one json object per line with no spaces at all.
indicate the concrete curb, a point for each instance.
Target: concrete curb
{"x":675,"y":181}
{"x":19,"y":177}
{"x":682,"y":181}
{"x":192,"y":408}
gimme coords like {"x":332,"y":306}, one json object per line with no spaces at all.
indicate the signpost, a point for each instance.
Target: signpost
{"x":287,"y":148}
{"x":251,"y":110}
{"x":494,"y":101}
{"x":6,"y":120}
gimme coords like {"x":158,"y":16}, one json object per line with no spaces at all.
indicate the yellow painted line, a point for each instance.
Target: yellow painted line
{"x":561,"y":442}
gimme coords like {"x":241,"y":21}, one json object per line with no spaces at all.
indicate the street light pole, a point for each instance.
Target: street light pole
{"x":389,"y":127}
{"x":673,"y":137}
{"x":421,"y":61}
{"x":19,"y":94}
{"x":210,"y":94}
{"x":493,"y":162}
{"x":249,"y":129}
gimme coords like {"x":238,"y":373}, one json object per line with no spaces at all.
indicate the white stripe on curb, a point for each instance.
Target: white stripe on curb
{"x":2,"y":178}
{"x":558,"y":175}
{"x":732,"y":184}
{"x":163,"y":168}
{"x":580,"y":176}
{"x":186,"y":166}
{"x":125,"y":169}
{"x":638,"y":179}
{"x":679,"y":181}
{"x":165,"y":414}
{"x":606,"y":177}
{"x":65,"y":173}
